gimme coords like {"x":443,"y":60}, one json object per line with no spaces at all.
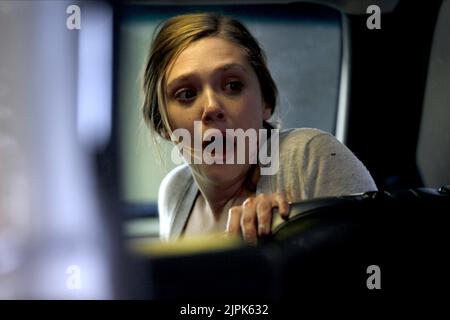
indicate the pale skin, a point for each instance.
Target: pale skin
{"x":212,"y":81}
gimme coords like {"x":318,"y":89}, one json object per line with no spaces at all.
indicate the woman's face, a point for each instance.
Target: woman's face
{"x":212,"y":82}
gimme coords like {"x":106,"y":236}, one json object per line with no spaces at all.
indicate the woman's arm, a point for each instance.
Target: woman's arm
{"x":313,"y":164}
{"x":330,"y":169}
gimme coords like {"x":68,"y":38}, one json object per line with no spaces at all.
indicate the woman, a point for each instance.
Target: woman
{"x":206,"y":71}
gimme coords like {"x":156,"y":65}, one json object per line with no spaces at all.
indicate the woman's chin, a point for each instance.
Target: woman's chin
{"x":224,"y":172}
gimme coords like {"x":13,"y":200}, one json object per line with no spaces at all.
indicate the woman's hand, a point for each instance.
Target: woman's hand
{"x":254,"y":216}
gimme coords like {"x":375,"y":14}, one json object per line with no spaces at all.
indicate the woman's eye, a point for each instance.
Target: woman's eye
{"x":234,"y":86}
{"x":185,"y":95}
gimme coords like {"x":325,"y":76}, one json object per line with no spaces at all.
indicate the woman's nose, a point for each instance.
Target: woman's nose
{"x":213,"y":110}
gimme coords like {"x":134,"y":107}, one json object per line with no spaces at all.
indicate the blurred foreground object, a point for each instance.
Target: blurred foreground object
{"x":323,"y":251}
{"x":53,"y":238}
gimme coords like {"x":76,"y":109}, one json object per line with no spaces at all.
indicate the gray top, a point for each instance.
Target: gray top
{"x":312,"y":164}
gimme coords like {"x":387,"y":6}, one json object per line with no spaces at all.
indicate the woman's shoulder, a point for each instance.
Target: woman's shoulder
{"x":171,"y":193}
{"x":173,"y":186}
{"x":305,"y":134}
{"x":300,"y":139}
{"x":177,"y":178}
{"x":328,"y":167}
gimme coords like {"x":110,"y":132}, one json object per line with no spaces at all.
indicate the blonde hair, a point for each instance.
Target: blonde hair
{"x":173,"y":37}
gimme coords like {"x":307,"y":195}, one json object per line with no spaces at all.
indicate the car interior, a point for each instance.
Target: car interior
{"x":391,"y":110}
{"x":376,"y":78}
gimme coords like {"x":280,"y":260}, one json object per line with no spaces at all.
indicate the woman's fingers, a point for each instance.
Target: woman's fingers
{"x":234,"y":221}
{"x":254,"y":217}
{"x":282,"y":204}
{"x":264,"y":214}
{"x":248,"y":220}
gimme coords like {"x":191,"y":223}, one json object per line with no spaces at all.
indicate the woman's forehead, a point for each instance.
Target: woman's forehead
{"x":208,"y":55}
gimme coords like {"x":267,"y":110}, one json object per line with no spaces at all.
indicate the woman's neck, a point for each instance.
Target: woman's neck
{"x":221,"y":197}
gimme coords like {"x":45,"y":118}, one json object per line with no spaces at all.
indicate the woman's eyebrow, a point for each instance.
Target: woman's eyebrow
{"x":179,"y":79}
{"x":228,"y":66}
{"x":222,"y":68}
